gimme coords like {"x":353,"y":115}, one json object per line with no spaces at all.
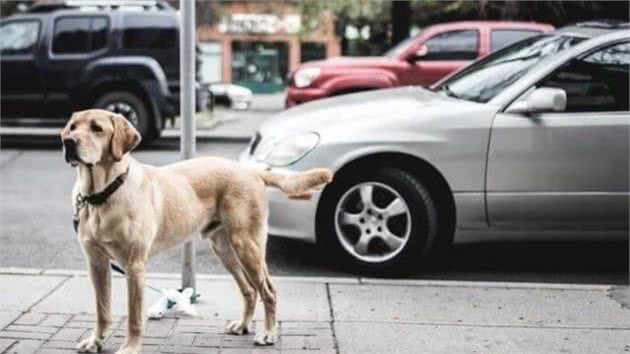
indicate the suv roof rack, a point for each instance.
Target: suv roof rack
{"x":101,"y":5}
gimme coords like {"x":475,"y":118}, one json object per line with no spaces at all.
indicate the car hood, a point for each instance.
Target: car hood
{"x":355,"y":62}
{"x":386,"y":110}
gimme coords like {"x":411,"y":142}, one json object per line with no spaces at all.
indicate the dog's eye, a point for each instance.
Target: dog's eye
{"x":72,"y":126}
{"x":96,"y":128}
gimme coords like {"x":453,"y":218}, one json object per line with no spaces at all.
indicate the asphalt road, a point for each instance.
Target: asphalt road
{"x":35,"y":220}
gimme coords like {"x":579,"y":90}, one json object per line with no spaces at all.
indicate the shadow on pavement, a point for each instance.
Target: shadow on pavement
{"x":559,"y":262}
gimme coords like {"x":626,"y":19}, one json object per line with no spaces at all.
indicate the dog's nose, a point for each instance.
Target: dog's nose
{"x":69,"y":143}
{"x":70,"y":149}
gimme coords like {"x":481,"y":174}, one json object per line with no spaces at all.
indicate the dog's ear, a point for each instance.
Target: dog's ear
{"x":125,"y":137}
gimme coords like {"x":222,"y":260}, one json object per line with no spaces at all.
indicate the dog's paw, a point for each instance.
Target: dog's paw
{"x":265,"y":338}
{"x":237,"y":328}
{"x":90,"y":345}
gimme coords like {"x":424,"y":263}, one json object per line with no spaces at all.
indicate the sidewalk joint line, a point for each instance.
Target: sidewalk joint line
{"x":45,"y":296}
{"x":332,"y":318}
{"x":450,"y":324}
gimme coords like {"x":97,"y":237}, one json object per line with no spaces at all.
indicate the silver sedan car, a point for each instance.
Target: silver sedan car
{"x":531,"y":141}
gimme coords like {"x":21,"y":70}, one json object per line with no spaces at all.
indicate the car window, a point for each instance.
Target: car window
{"x":149,"y":32}
{"x":486,"y":78}
{"x":453,"y":45}
{"x":597,"y":82}
{"x":74,"y":35}
{"x":396,"y":50}
{"x":501,"y":38}
{"x":18,"y":37}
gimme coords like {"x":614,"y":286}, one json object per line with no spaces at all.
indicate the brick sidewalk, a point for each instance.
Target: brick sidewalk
{"x":59,"y":333}
{"x":49,"y":311}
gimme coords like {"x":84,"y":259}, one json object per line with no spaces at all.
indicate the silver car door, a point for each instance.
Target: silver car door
{"x":566,"y":170}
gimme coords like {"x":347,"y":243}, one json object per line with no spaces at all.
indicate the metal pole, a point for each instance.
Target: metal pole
{"x":187,"y":113}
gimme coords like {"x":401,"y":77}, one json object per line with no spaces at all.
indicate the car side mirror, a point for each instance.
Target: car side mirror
{"x":421,"y":52}
{"x":542,"y":99}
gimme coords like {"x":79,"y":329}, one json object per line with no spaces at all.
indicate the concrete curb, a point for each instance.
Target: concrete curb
{"x":335,"y":280}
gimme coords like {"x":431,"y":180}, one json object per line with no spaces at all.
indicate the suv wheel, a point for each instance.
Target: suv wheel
{"x":130,"y":106}
{"x":378,"y":223}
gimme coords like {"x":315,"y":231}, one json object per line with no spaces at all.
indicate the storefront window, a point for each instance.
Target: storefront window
{"x":260,"y":66}
{"x":310,"y":51}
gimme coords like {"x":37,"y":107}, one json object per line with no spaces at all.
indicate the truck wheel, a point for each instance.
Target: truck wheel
{"x":130,"y":106}
{"x":377,"y":223}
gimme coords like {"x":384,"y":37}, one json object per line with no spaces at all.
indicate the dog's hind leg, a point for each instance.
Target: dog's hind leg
{"x":220,"y":244}
{"x":250,"y":252}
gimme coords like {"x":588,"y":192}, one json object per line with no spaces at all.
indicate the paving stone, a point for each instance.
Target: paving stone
{"x":200,"y":329}
{"x":57,"y":351}
{"x":55,"y":320}
{"x":180,"y":339}
{"x":70,"y":334}
{"x":5,"y":343}
{"x":8,"y":317}
{"x":477,"y":306}
{"x":25,"y":346}
{"x":304,"y":325}
{"x":199,"y":321}
{"x":60,"y":344}
{"x":80,"y":324}
{"x":254,"y":350}
{"x":179,"y":349}
{"x":40,"y":329}
{"x":360,"y":337}
{"x":24,"y":335}
{"x":230,"y":341}
{"x":30,"y":319}
{"x":320,"y":341}
{"x":317,"y":351}
{"x":208,"y":340}
{"x":20,"y":292}
{"x":294,"y":342}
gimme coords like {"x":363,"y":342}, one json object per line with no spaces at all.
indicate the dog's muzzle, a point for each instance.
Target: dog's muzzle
{"x":70,"y":151}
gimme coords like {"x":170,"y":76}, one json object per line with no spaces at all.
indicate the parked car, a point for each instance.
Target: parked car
{"x":421,"y":60}
{"x":62,"y":57}
{"x":530,"y":141}
{"x":232,"y":96}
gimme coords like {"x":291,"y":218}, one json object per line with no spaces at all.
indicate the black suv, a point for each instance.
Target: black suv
{"x":60,"y":58}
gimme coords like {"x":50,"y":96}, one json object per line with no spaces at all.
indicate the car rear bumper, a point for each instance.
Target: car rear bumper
{"x":296,"y":95}
{"x":289,"y":218}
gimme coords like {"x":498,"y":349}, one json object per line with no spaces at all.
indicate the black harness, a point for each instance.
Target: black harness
{"x":97,"y":198}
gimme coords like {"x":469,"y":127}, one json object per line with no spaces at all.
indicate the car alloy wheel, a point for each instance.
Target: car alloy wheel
{"x":373,"y":222}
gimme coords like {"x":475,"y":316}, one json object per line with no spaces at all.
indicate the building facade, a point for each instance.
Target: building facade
{"x":256,"y":44}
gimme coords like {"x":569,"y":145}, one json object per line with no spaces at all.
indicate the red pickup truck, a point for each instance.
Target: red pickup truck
{"x":420,"y":60}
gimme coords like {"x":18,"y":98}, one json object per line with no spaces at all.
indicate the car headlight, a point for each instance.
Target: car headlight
{"x":279,"y":153}
{"x":305,"y":77}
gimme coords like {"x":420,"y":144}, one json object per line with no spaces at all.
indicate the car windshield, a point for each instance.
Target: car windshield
{"x":483,"y":80}
{"x":395,"y":51}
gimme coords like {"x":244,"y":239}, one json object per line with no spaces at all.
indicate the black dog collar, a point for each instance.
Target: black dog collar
{"x":97,"y":198}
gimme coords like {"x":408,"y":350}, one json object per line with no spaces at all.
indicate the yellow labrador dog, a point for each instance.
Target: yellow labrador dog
{"x":128,"y":211}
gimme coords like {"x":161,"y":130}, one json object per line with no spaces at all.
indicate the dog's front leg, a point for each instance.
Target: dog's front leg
{"x":101,"y":281}
{"x":135,"y":301}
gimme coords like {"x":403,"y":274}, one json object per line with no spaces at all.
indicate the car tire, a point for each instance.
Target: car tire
{"x":400,"y":207}
{"x":130,"y":106}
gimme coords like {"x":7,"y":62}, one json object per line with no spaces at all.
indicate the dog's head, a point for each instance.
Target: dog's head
{"x":94,"y":136}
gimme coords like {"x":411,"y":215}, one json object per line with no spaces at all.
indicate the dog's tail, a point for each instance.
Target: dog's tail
{"x":298,"y":185}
